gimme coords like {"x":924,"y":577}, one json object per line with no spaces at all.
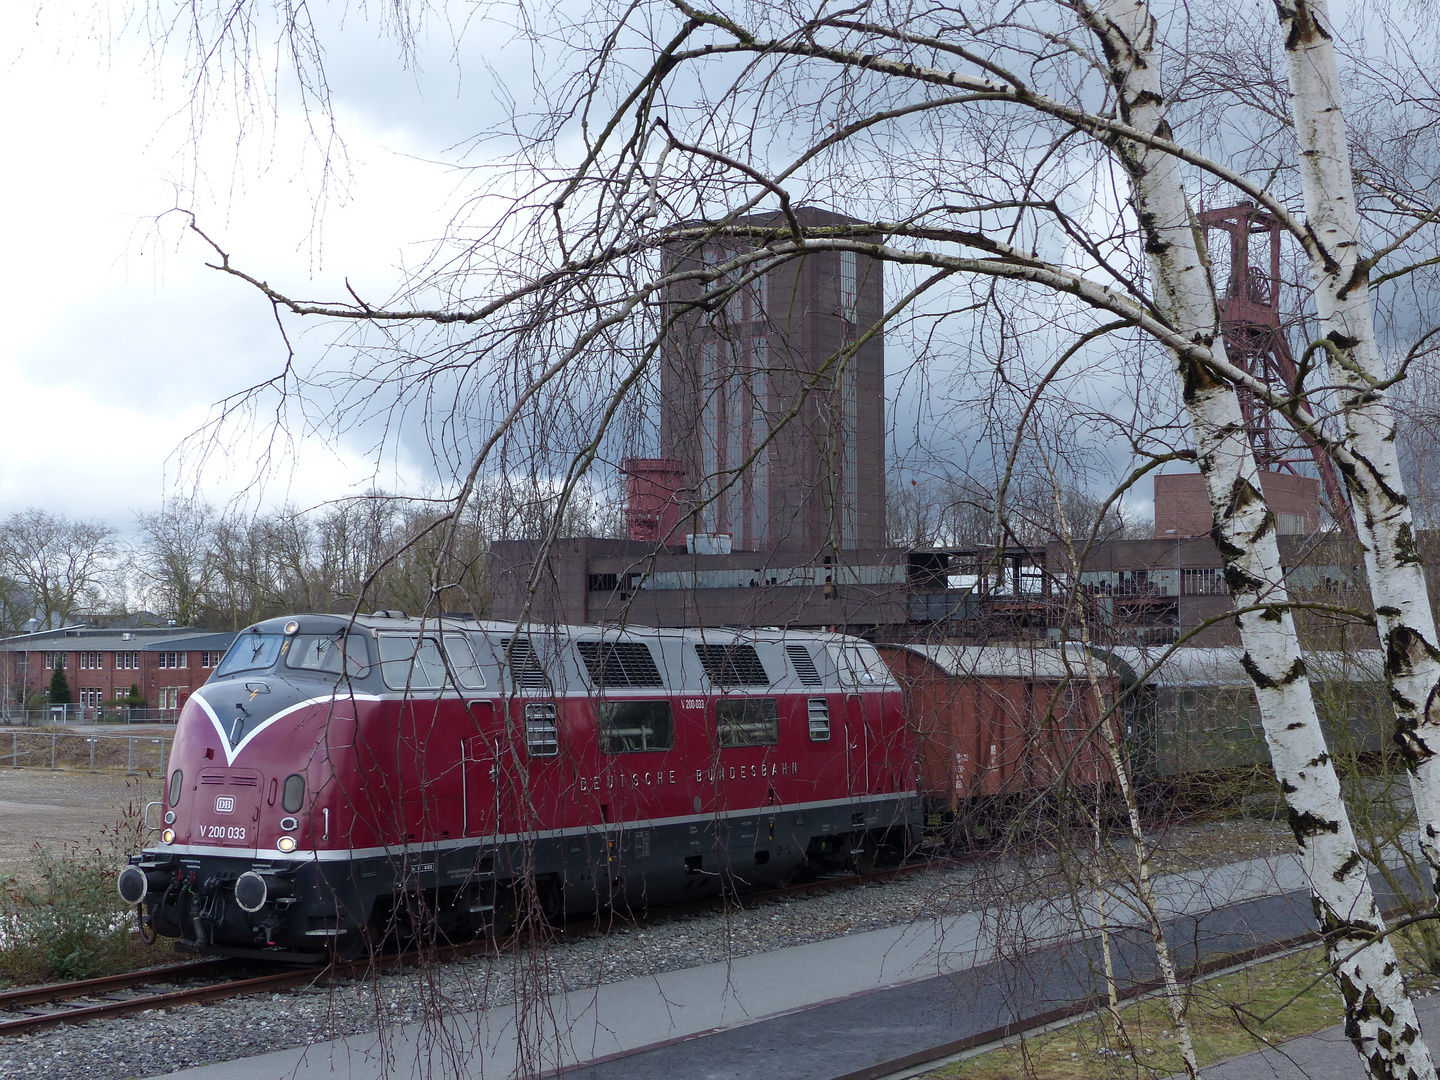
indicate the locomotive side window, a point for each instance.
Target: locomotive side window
{"x":411,"y":662}
{"x":251,"y":652}
{"x":819,"y":713}
{"x":542,"y":733}
{"x":294,"y":796}
{"x":325,"y":653}
{"x":630,"y":726}
{"x":859,"y":665}
{"x":747,"y":722}
{"x":462,"y":662}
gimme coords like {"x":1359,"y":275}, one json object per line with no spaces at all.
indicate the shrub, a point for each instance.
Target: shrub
{"x":62,"y":918}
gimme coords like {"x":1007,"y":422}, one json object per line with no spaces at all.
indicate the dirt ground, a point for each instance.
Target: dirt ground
{"x":66,"y":807}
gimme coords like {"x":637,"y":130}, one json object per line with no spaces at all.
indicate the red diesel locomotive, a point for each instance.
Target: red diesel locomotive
{"x":335,"y":779}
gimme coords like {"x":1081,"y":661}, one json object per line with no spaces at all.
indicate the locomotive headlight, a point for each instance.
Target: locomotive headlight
{"x":286,"y":844}
{"x":292,"y":627}
{"x":168,"y":836}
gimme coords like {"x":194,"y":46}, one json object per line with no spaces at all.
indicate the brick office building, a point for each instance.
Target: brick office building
{"x":166,"y":663}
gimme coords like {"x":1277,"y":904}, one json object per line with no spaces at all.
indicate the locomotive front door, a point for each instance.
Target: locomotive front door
{"x":480,"y":771}
{"x":857,"y":744}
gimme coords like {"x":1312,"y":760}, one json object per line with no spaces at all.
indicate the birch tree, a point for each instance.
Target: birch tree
{"x":1341,"y":272}
{"x":1380,"y":1020}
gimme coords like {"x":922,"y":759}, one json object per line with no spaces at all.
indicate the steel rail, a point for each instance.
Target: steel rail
{"x":38,"y":995}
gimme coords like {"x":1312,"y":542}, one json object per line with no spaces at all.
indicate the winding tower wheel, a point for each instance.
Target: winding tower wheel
{"x":1255,"y":341}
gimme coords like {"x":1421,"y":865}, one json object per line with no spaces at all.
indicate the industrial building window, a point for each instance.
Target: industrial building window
{"x":849,"y":293}
{"x":747,"y":722}
{"x":619,"y":663}
{"x":735,"y":434}
{"x":804,"y":664}
{"x":633,"y":726}
{"x":849,"y":456}
{"x":759,"y":430}
{"x":1204,"y":582}
{"x":542,"y":732}
{"x":819,"y":711}
{"x":732,"y":665}
{"x":709,"y":431}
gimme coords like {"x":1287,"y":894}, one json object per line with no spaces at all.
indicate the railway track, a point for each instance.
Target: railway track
{"x":38,"y":1008}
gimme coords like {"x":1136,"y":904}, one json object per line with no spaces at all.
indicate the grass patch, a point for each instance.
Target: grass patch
{"x":1225,"y":1022}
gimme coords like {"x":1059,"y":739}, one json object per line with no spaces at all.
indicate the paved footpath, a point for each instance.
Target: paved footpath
{"x":824,"y":1010}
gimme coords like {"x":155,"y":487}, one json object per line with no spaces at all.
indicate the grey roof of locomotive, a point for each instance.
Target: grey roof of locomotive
{"x":671,"y":648}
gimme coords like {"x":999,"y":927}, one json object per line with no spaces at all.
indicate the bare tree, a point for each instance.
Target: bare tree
{"x":59,"y":564}
{"x":176,"y":558}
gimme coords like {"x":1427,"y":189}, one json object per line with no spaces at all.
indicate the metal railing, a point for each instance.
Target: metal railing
{"x":97,"y":752}
{"x":66,"y":715}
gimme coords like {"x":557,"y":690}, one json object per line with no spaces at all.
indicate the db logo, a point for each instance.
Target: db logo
{"x":224,"y":804}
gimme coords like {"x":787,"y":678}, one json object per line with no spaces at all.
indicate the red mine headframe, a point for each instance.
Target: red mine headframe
{"x":1249,"y":293}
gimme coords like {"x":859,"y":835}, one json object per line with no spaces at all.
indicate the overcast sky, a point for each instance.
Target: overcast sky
{"x":119,"y":339}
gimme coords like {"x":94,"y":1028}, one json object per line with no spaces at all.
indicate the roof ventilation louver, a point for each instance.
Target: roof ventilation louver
{"x":525,"y":666}
{"x":804,"y":664}
{"x":733,"y":665}
{"x":619,"y":663}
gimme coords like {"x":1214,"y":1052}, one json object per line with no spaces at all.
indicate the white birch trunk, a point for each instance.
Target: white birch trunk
{"x":1382,"y":511}
{"x":1380,"y":1019}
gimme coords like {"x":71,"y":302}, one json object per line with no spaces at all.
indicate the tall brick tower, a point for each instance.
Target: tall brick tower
{"x":732,"y":376}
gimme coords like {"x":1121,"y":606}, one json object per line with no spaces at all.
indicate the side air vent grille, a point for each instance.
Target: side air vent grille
{"x":524,"y":664}
{"x":619,"y":663}
{"x":733,"y":665}
{"x":804,"y":664}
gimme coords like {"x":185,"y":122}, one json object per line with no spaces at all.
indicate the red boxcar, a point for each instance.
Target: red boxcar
{"x":999,"y":720}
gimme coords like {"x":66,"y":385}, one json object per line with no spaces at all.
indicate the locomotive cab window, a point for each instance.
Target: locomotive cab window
{"x":747,"y":722}
{"x":859,"y":665}
{"x":411,"y":662}
{"x":327,"y":654}
{"x":463,"y":663}
{"x":633,"y":726}
{"x":251,"y":652}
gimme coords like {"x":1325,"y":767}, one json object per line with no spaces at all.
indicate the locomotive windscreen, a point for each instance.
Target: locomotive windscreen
{"x":251,"y":652}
